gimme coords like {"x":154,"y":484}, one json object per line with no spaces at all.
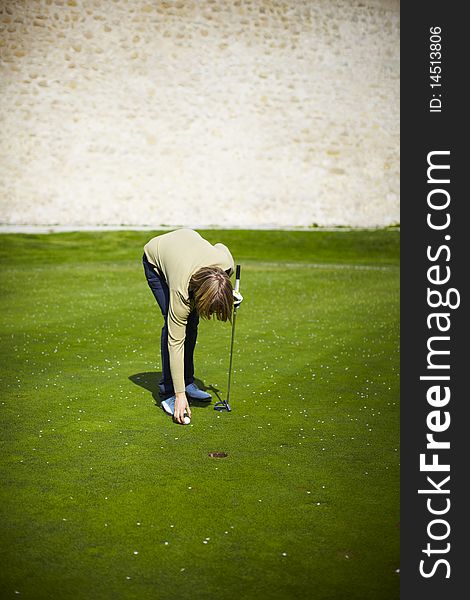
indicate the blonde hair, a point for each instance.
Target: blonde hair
{"x":212,"y":293}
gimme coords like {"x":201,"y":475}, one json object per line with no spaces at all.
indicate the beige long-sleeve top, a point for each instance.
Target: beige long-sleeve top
{"x":177,"y":256}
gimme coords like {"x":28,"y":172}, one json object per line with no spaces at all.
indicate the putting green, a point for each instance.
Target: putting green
{"x":104,"y":497}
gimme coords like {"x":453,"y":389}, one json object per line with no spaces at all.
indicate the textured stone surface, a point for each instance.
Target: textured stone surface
{"x":199,"y":112}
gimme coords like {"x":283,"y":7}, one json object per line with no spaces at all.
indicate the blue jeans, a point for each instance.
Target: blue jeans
{"x":160,"y":290}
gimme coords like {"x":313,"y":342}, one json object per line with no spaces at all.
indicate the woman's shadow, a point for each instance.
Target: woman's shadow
{"x":149,"y":381}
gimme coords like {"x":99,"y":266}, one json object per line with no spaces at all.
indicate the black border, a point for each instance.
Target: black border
{"x":422,"y":132}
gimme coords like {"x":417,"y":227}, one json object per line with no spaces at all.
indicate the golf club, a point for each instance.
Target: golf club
{"x":224,"y":404}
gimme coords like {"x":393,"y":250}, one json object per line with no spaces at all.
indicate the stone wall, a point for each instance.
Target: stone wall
{"x":243,"y":112}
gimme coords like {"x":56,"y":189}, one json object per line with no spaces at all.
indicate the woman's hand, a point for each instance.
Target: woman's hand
{"x":181,"y":407}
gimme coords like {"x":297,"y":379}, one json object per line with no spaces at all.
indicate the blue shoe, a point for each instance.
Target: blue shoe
{"x":168,"y":405}
{"x":194,"y":392}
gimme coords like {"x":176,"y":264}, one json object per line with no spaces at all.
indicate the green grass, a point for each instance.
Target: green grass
{"x":306,"y":505}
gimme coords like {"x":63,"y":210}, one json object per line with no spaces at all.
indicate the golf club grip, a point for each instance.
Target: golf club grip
{"x":237,"y":278}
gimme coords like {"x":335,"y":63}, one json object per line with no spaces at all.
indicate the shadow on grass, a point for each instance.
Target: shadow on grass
{"x":149,"y":381}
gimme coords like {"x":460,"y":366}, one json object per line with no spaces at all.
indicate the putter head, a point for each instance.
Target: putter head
{"x":222,"y":405}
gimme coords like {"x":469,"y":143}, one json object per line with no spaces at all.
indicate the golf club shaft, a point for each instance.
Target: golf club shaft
{"x":234,"y":319}
{"x":231,"y":353}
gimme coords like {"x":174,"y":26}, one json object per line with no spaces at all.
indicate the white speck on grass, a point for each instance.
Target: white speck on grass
{"x":284,"y":554}
{"x":136,"y":552}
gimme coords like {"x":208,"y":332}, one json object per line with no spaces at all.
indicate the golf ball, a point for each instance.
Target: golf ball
{"x":187,"y":420}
